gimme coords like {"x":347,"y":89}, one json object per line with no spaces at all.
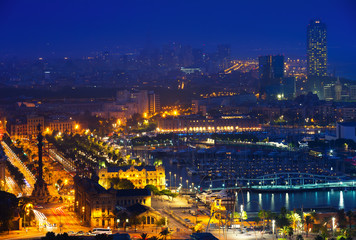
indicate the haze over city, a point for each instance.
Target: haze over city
{"x":80,"y":28}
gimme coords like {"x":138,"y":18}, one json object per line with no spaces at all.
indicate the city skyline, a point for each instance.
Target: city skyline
{"x":43,"y":29}
{"x":178,"y":119}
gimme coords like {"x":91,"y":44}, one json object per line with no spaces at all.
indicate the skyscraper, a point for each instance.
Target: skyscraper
{"x":223,"y":55}
{"x":316,"y":49}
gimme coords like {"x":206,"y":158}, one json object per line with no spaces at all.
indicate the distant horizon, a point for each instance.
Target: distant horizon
{"x":80,"y":28}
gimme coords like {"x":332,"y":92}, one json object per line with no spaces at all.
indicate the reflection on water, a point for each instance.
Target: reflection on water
{"x":298,"y":200}
{"x":341,"y":202}
{"x":274,"y":202}
{"x":260,"y":199}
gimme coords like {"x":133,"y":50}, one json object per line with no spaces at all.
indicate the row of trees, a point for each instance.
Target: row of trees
{"x":118,"y":183}
{"x":15,"y":172}
{"x":86,"y":151}
{"x":8,"y":210}
{"x":19,"y":151}
{"x":164,"y":192}
{"x":25,"y":154}
{"x":298,"y":222}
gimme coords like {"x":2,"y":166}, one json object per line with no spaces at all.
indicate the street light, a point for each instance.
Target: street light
{"x":181,"y":181}
{"x":241,"y":212}
{"x":333,"y":225}
{"x":187,"y":184}
{"x":126,"y":222}
{"x":83,"y":210}
{"x":273,"y":226}
{"x":170,"y":180}
{"x":175,"y":180}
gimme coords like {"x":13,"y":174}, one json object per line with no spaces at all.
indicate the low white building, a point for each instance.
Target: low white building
{"x":346,"y":130}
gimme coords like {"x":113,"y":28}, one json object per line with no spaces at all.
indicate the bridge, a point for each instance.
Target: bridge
{"x":284,"y":181}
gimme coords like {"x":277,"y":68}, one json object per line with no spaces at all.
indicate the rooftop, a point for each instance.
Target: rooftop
{"x":133,"y":192}
{"x":125,"y":168}
{"x":347,"y":124}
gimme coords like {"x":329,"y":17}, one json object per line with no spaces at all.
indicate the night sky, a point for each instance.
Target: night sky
{"x":42,"y":28}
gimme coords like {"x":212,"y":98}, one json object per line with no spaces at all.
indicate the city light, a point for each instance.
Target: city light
{"x":88,"y":136}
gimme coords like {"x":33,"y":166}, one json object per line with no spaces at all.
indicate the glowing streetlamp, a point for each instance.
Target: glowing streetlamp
{"x":126,"y":222}
{"x":170,"y":180}
{"x":117,"y":223}
{"x":273,"y":226}
{"x":175,"y":180}
{"x":83,"y":210}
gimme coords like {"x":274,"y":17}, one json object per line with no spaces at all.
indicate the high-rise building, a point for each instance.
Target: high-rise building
{"x":223,"y":55}
{"x":224,"y":51}
{"x":352,"y":92}
{"x":271,"y":72}
{"x":316,"y":49}
{"x":154,"y":104}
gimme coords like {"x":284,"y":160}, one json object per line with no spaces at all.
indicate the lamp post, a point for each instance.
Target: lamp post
{"x":83,"y":210}
{"x":117,"y":223}
{"x":127,"y":221}
{"x":187,"y":181}
{"x":273,"y":226}
{"x":181,"y":181}
{"x":170,"y":180}
{"x":24,"y":220}
{"x":175,"y":180}
{"x":241,"y":213}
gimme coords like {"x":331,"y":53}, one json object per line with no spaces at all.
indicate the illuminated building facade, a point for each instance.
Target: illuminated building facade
{"x":62,"y":126}
{"x":316,"y":49}
{"x":26,"y":127}
{"x":140,"y":176}
{"x":95,"y":205}
{"x":154,"y":104}
{"x":32,"y":123}
{"x":201,"y":124}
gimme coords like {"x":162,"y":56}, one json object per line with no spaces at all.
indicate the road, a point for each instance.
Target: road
{"x":15,"y":160}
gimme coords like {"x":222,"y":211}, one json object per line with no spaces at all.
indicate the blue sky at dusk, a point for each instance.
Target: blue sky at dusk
{"x":80,"y":27}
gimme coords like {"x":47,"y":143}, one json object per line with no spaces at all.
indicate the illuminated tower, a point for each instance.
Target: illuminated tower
{"x":317,"y":56}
